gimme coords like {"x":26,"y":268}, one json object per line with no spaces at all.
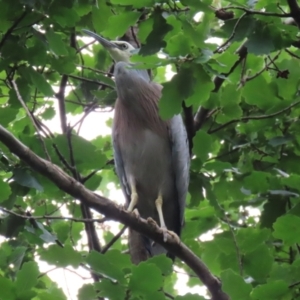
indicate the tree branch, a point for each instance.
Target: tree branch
{"x":257,"y":12}
{"x":31,"y":117}
{"x":113,"y":240}
{"x":295,"y":10}
{"x":262,"y":117}
{"x":232,"y":34}
{"x":113,"y":211}
{"x":61,"y":103}
{"x":11,"y":29}
{"x":202,"y":112}
{"x":91,"y":81}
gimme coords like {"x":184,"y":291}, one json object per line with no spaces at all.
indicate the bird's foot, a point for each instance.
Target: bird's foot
{"x":151,"y":222}
{"x":174,"y":236}
{"x":136,"y":213}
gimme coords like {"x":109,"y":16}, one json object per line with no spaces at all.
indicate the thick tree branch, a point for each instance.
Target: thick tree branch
{"x":295,"y":10}
{"x":61,"y":103}
{"x":112,"y":211}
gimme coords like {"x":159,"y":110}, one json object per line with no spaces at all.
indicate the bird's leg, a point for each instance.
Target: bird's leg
{"x":134,"y":198}
{"x":158,"y":204}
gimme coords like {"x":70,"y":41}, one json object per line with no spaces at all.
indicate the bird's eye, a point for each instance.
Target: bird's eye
{"x":124,"y":46}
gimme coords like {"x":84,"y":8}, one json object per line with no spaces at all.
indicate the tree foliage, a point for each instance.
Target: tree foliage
{"x":240,"y":101}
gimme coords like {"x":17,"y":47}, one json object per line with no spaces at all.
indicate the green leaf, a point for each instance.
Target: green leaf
{"x":134,"y":3}
{"x":202,"y":144}
{"x":202,"y":87}
{"x":126,"y":20}
{"x":260,"y":41}
{"x":154,"y":41}
{"x":40,"y":82}
{"x":27,"y":277}
{"x":5,"y":191}
{"x":111,"y":290}
{"x":248,"y":239}
{"x":56,"y":43}
{"x":230,"y":281}
{"x":100,"y":15}
{"x":259,"y":92}
{"x":287,"y":228}
{"x":17,"y":257}
{"x":87,"y":292}
{"x":6,"y":289}
{"x":48,"y":113}
{"x":174,"y":92}
{"x":53,"y":293}
{"x":258,"y":263}
{"x":163,"y":263}
{"x":7,"y":115}
{"x":86,"y":155}
{"x":146,"y":278}
{"x":108,"y":267}
{"x":22,"y":177}
{"x":61,"y":257}
{"x":281,"y":140}
{"x":257,"y":182}
{"x":270,"y":291}
{"x":198,"y":5}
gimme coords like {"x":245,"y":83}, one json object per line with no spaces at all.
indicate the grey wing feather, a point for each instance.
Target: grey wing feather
{"x":119,"y":165}
{"x":180,"y":160}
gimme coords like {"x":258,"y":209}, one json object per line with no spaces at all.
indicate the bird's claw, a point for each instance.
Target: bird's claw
{"x":136,"y":213}
{"x":151,"y":222}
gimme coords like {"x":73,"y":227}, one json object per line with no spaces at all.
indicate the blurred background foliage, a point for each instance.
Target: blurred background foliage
{"x":241,"y":105}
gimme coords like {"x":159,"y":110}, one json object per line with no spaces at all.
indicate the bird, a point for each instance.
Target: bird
{"x":151,"y":155}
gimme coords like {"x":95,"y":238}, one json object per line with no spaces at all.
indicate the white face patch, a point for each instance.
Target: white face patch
{"x":123,"y":53}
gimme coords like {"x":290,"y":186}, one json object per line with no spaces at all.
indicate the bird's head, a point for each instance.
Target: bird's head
{"x":118,"y":50}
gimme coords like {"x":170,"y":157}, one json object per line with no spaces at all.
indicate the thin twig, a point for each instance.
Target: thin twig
{"x":94,"y":70}
{"x":292,"y":54}
{"x":102,"y":220}
{"x":11,"y":29}
{"x":91,"y":81}
{"x":294,"y":284}
{"x":237,"y":249}
{"x":201,"y":114}
{"x":262,"y":117}
{"x":113,"y":240}
{"x":62,"y":159}
{"x":32,"y":119}
{"x":258,"y":12}
{"x":264,"y":69}
{"x":232,"y":34}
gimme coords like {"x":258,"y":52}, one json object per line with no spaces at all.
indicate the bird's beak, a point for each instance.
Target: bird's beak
{"x":104,"y":42}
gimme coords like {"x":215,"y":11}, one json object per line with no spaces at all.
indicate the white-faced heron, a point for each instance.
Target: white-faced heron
{"x":151,"y":155}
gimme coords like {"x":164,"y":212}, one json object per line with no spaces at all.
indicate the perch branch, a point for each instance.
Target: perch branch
{"x":112,"y":211}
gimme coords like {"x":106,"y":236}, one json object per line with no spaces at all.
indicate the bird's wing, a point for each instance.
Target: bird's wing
{"x":119,"y":165}
{"x":180,"y":157}
{"x":180,"y":160}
